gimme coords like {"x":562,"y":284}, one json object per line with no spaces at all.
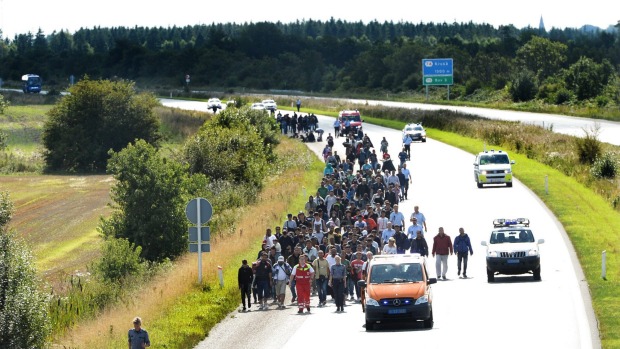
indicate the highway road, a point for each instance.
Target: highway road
{"x":513,"y":312}
{"x":609,"y":130}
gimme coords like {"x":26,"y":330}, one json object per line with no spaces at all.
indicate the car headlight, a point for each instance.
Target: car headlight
{"x":484,"y":173}
{"x":507,"y":171}
{"x":492,"y":254}
{"x":533,"y":252}
{"x":421,"y":300}
{"x":371,"y":302}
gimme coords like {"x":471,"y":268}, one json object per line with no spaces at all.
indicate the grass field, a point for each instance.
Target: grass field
{"x":57,"y":216}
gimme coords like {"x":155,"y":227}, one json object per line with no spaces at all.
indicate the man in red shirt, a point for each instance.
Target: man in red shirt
{"x":442,"y":245}
{"x":357,"y":266}
{"x":302,"y":274}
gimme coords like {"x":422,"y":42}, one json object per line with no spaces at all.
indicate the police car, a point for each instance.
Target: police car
{"x":493,"y":167}
{"x":415,"y":131}
{"x":512,"y":249}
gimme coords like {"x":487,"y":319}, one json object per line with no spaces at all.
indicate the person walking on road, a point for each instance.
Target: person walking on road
{"x":281,"y":273}
{"x":419,"y":245}
{"x":338,"y":280}
{"x":303,"y":275}
{"x":298,"y":104}
{"x":442,"y":248}
{"x":419,"y":216}
{"x":138,"y":337}
{"x":293,"y":260}
{"x":462,"y":246}
{"x":263,"y":280}
{"x":321,"y":276}
{"x":245,"y":277}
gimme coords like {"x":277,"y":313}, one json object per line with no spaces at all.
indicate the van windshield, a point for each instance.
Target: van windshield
{"x":395,"y":273}
{"x":352,"y":118}
{"x":494,"y":159}
{"x":508,"y":236}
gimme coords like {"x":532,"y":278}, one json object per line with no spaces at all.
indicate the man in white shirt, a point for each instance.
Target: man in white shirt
{"x":269,"y":239}
{"x":330,"y":200}
{"x":397,"y":218}
{"x":414,"y":228}
{"x":382,"y":222}
{"x":419,"y":216}
{"x":387,"y":233}
{"x":405,"y":171}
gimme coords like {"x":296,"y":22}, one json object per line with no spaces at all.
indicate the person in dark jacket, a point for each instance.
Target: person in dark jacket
{"x":419,"y":245}
{"x":245,"y":277}
{"x":442,"y":248}
{"x":462,"y":245}
{"x":401,"y":240}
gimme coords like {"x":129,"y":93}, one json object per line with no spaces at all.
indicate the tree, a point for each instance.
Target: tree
{"x":524,"y":86}
{"x":542,"y":56}
{"x":149,"y":202}
{"x":23,"y":317}
{"x":587,"y":79}
{"x":97,"y":116}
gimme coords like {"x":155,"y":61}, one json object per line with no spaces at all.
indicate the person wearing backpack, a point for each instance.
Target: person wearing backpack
{"x":281,"y":274}
{"x":321,"y":275}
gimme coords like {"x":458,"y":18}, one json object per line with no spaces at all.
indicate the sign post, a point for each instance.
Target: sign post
{"x":437,"y":71}
{"x":199,"y":212}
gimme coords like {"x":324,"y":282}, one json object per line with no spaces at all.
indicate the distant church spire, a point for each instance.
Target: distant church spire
{"x":541,"y":26}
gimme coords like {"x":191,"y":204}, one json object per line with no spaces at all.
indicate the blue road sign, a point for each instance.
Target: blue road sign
{"x":206,"y":211}
{"x":438,"y":66}
{"x":205,"y":234}
{"x":193,"y":248}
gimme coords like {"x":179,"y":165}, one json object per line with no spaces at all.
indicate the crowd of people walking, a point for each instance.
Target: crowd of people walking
{"x":353,"y":215}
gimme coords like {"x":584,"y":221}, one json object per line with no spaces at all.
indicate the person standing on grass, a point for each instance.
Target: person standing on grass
{"x":302,"y":275}
{"x":245,"y":276}
{"x":138,"y":337}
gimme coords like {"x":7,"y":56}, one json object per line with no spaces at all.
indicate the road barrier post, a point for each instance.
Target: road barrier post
{"x":604,"y":265}
{"x":220,"y":275}
{"x":547,"y":184}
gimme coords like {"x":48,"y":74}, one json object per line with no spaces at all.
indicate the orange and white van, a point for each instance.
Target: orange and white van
{"x":397,"y":288}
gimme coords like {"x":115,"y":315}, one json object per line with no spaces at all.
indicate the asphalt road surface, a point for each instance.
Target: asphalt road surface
{"x":513,"y":312}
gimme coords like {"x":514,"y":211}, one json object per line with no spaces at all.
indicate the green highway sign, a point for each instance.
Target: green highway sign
{"x":438,"y":80}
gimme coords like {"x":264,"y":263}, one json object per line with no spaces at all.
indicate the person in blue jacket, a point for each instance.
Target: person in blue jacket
{"x":462,"y":246}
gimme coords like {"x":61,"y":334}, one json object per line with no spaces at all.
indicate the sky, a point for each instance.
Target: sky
{"x":23,"y":16}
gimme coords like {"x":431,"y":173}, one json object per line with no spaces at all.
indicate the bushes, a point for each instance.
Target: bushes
{"x":523,"y":87}
{"x":97,"y":116}
{"x":605,"y":166}
{"x":149,"y":200}
{"x":588,"y":147}
{"x":23,"y":319}
{"x":120,"y":259}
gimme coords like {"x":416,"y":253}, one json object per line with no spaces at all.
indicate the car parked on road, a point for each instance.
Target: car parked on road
{"x":414,"y":131}
{"x":397,"y":289}
{"x":512,"y":249}
{"x":493,"y":167}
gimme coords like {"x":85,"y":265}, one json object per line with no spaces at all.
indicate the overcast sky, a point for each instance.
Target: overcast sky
{"x":22,"y":16}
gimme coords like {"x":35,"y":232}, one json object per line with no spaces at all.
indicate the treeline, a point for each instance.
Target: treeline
{"x":328,"y":56}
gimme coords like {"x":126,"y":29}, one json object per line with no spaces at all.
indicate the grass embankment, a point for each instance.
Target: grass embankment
{"x":179,"y":313}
